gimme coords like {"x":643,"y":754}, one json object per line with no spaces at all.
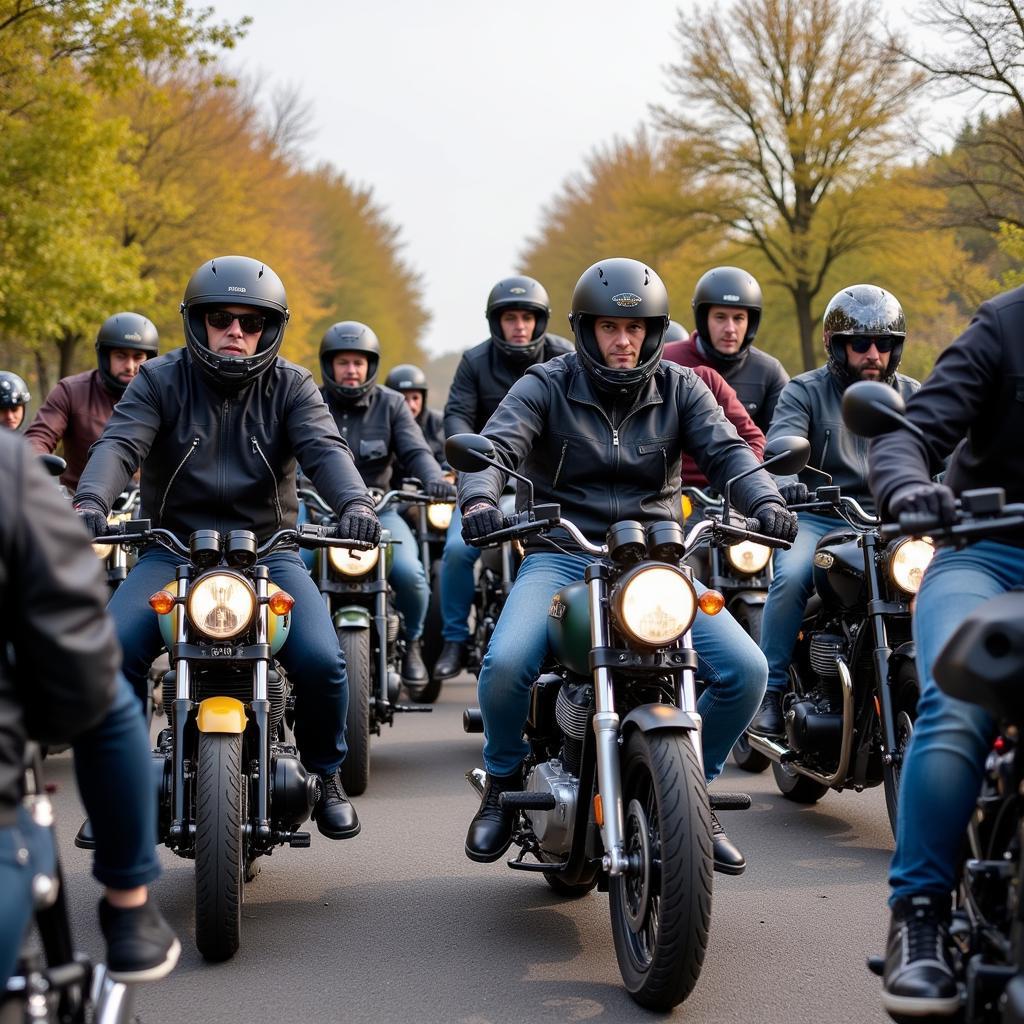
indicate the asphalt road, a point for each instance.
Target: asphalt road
{"x":398,"y":925}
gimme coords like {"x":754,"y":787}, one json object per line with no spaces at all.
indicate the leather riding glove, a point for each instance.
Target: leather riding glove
{"x":480,"y":523}
{"x":359,"y":522}
{"x":936,"y":501}
{"x":94,"y":518}
{"x":795,"y":493}
{"x":440,"y":490}
{"x":777,"y":521}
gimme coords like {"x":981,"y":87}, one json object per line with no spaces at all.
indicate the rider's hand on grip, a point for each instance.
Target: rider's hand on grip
{"x":477,"y":525}
{"x":360,"y":523}
{"x":795,"y":493}
{"x":94,"y":518}
{"x":440,"y":490}
{"x":923,"y":505}
{"x":776,"y":521}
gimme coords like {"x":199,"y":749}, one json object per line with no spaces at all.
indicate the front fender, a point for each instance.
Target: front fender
{"x":754,"y":598}
{"x":352,"y":617}
{"x":221,"y":714}
{"x":652,"y":717}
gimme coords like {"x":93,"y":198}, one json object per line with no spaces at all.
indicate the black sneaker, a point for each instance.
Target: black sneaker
{"x":490,"y":831}
{"x":140,"y":943}
{"x":334,"y":815}
{"x":919,"y":979}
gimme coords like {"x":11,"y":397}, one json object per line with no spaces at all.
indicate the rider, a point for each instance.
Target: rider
{"x":78,"y":408}
{"x":517,"y":313}
{"x":727,"y":311}
{"x":14,"y":396}
{"x":971,"y":406}
{"x":411,"y":382}
{"x":380,"y":430}
{"x":217,"y":427}
{"x":864,"y":330}
{"x":62,"y":686}
{"x":577,"y":427}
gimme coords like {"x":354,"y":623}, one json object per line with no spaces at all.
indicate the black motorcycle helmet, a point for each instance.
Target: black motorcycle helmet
{"x":726,"y":286}
{"x":407,"y":377}
{"x":131,"y":331}
{"x":619,"y":287}
{"x":349,"y":336}
{"x":518,"y":293}
{"x":14,"y":391}
{"x":229,"y":281}
{"x":676,"y":332}
{"x":862,"y":310}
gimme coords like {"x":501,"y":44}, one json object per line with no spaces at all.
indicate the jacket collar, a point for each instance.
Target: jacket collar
{"x":582,"y":390}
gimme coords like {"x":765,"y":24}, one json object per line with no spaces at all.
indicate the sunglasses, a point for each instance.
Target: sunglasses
{"x":221,"y":319}
{"x":860,"y":345}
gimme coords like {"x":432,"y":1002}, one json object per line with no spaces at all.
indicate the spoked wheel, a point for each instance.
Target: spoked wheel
{"x":661,"y":906}
{"x":905,"y":709}
{"x":355,"y":769}
{"x":746,"y":758}
{"x":221,"y":808}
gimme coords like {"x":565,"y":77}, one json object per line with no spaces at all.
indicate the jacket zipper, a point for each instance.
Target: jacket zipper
{"x":558,"y":472}
{"x":824,"y":450}
{"x":257,"y":450}
{"x":664,"y":462}
{"x":170,"y":483}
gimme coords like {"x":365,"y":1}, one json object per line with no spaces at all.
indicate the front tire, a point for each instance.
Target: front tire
{"x":746,"y":758}
{"x":796,"y":787}
{"x":661,"y":907}
{"x":431,"y":642}
{"x":220,"y":844}
{"x":355,"y":769}
{"x":905,"y":695}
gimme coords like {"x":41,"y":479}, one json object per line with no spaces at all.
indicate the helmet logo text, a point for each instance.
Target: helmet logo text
{"x":133,"y":337}
{"x":627,"y":299}
{"x":235,"y":288}
{"x":517,"y":291}
{"x":731,"y":298}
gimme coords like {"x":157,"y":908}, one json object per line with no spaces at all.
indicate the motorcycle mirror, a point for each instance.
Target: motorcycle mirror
{"x":787,"y":454}
{"x":53,"y":464}
{"x":871,"y":409}
{"x":469,"y":453}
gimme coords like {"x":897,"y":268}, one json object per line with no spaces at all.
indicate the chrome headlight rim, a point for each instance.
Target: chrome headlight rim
{"x":245,"y":616}
{"x":761,"y":556}
{"x":102,"y":551}
{"x":439,"y":514}
{"x":352,"y":565}
{"x":625,"y":598}
{"x":907,"y":556}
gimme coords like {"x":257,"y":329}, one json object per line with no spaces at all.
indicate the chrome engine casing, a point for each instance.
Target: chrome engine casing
{"x":553,"y":828}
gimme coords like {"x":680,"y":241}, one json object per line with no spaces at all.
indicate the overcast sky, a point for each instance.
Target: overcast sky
{"x":465,"y":116}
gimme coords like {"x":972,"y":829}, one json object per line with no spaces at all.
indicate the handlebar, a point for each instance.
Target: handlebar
{"x":848,"y":508}
{"x":970,"y":523}
{"x":382,"y":501}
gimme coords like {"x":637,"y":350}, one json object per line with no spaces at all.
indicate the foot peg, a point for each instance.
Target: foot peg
{"x":472,"y":720}
{"x":299,"y":840}
{"x":729,"y":801}
{"x":876,"y":965}
{"x":519,"y":800}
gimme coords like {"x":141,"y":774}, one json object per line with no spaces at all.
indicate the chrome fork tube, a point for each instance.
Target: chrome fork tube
{"x":688,"y":701}
{"x":261,"y":705}
{"x":606,"y":730}
{"x":181,"y":707}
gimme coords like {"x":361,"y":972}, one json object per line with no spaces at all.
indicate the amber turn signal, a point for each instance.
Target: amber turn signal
{"x":711,"y":602}
{"x":687,"y":507}
{"x":162,"y":602}
{"x":281,"y":603}
{"x":598,"y":810}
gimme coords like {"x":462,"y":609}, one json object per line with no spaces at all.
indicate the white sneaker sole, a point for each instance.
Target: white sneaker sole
{"x":910,"y":1007}
{"x":161,"y":970}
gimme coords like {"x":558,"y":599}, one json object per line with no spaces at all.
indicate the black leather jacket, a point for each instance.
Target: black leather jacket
{"x":482,"y":380}
{"x":52,"y":616}
{"x":381,"y":431}
{"x":972,"y":405}
{"x":220,"y":461}
{"x":554,"y":426}
{"x":431,"y":422}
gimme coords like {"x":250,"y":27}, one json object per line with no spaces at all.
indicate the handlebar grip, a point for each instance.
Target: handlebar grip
{"x":918,"y":522}
{"x":752,"y":525}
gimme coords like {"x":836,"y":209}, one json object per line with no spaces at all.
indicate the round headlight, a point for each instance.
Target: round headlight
{"x":655,"y":604}
{"x":440,"y":515}
{"x":748,"y":557}
{"x":908,"y":561}
{"x":221,"y":605}
{"x":103,"y":551}
{"x":353,"y":563}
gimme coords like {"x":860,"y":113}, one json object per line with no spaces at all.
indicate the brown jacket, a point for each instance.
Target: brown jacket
{"x":75,"y":412}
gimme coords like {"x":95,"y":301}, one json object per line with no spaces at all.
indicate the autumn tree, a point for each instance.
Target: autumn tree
{"x":784,"y":109}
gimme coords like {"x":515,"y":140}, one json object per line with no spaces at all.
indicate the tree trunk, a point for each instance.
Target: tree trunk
{"x":802,"y":302}
{"x":66,"y":345}
{"x":42,"y":375}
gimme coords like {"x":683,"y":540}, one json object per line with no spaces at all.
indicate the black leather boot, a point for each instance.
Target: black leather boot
{"x":85,"y":839}
{"x":918,"y":979}
{"x":768,"y":720}
{"x":451,"y":660}
{"x":333,"y":813}
{"x":728,"y":859}
{"x":490,"y":831}
{"x":413,"y":669}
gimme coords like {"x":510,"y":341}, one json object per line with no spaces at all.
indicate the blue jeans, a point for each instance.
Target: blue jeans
{"x":945,"y":760}
{"x":792,"y":585}
{"x":730,"y":664}
{"x":407,"y":578}
{"x":311,"y":657}
{"x":457,"y":582}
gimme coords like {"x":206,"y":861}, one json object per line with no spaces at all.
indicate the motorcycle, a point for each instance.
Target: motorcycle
{"x":620,"y":802}
{"x":51,"y":981}
{"x":431,"y":527}
{"x":355,"y":589}
{"x":115,"y":557}
{"x":229,"y":788}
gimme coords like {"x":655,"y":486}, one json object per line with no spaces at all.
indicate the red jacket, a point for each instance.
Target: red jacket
{"x":75,"y":412}
{"x":734,"y":412}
